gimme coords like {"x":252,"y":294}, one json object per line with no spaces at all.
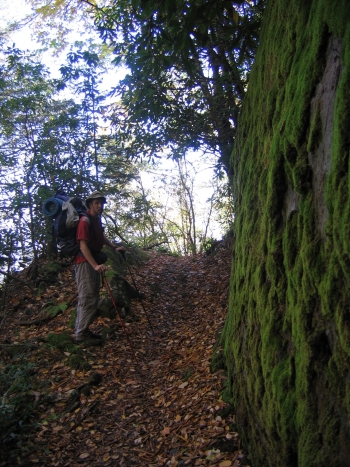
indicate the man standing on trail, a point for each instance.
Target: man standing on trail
{"x":89,"y":266}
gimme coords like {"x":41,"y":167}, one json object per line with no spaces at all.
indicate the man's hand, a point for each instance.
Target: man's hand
{"x":100,"y":268}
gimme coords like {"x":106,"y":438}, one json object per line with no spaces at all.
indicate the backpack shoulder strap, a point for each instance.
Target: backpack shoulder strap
{"x":88,"y":218}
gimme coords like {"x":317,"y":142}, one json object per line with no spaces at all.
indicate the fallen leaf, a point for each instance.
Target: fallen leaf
{"x":84,"y":455}
{"x":183,"y":385}
{"x":166,"y":431}
{"x":212,"y":454}
{"x":57,"y":428}
{"x":225,"y":464}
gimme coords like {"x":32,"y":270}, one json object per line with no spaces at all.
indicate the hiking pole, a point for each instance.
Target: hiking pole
{"x":137,"y":290}
{"x":120,"y":318}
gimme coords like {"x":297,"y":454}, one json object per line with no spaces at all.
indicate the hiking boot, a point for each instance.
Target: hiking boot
{"x":88,"y":341}
{"x":94,"y":335}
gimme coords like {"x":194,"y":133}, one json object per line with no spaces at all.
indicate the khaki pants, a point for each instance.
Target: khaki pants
{"x":88,"y":285}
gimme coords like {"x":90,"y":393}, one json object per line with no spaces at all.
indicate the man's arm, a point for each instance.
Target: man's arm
{"x":88,"y":256}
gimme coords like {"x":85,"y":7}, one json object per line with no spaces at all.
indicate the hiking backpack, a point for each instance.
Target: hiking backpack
{"x":66,"y":213}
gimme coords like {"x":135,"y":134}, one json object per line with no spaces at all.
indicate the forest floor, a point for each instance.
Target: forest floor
{"x":105,"y":409}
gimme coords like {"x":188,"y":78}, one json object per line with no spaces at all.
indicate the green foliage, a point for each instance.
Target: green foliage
{"x":209,"y":245}
{"x":133,"y":257}
{"x":52,"y":22}
{"x":187,"y":374}
{"x":48,"y":143}
{"x":189,"y":64}
{"x":53,"y":310}
{"x":69,"y":134}
{"x":39,"y":134}
{"x":167,"y":251}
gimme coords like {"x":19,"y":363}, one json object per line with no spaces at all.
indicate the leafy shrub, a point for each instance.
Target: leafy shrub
{"x":208,"y":246}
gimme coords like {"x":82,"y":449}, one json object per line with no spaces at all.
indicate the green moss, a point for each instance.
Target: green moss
{"x":217,"y":361}
{"x":72,"y":318}
{"x":227,"y":395}
{"x":287,"y":335}
{"x":65,"y":343}
{"x":315,"y":131}
{"x":76,"y":360}
{"x":301,"y":175}
{"x":61,"y":341}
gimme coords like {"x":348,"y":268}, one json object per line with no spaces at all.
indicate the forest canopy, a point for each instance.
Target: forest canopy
{"x":187,"y":70}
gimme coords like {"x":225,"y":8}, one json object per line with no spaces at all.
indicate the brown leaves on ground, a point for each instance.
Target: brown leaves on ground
{"x":165,"y":410}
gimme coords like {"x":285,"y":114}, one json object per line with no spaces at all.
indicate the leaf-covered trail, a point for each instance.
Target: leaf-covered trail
{"x":167,"y":409}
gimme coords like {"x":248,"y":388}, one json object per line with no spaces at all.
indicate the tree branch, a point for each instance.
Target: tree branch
{"x":16,"y":279}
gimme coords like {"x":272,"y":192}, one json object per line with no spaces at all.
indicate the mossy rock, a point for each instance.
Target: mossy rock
{"x":61,"y":341}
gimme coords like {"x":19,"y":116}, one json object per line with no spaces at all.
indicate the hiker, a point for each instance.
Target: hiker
{"x":89,"y":266}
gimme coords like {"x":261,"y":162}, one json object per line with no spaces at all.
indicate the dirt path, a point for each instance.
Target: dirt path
{"x":165,"y":410}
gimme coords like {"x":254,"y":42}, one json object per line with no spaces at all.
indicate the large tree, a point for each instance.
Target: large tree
{"x":188,"y":68}
{"x":287,"y":334}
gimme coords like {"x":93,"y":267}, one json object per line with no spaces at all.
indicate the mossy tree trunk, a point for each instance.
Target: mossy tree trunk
{"x":287,"y":334}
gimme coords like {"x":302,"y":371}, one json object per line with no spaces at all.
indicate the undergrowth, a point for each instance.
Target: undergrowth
{"x":17,"y":402}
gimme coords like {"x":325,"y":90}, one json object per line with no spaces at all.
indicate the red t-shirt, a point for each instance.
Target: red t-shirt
{"x":93,"y":235}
